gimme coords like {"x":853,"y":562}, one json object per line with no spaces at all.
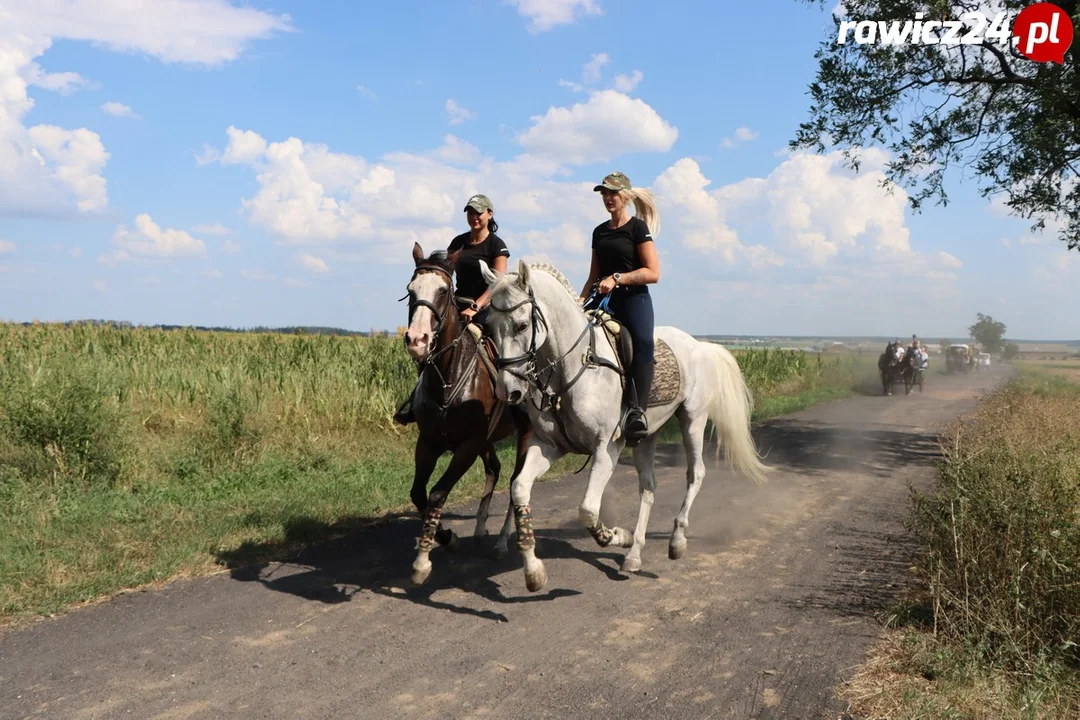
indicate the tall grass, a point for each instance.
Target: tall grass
{"x":1002,"y":529}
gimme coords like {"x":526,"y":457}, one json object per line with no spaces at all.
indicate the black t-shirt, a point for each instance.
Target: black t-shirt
{"x":470,"y":283}
{"x":617,"y":250}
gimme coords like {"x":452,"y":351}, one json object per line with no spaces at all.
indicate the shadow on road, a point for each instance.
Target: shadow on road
{"x":377,"y":556}
{"x":804,"y":447}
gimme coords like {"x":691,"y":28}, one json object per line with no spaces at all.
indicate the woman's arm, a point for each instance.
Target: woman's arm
{"x":648,"y":274}
{"x":591,"y":281}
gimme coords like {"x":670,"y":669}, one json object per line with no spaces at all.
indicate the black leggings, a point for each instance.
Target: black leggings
{"x":634,"y":310}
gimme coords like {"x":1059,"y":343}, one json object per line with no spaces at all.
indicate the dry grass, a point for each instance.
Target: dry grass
{"x":912,"y":676}
{"x":992,"y":628}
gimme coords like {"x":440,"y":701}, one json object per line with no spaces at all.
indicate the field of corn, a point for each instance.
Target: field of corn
{"x":132,"y":455}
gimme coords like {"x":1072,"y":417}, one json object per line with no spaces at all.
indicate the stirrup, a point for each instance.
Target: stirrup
{"x":635,"y":426}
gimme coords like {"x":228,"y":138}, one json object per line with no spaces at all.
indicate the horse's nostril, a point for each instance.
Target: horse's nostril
{"x":515,"y":397}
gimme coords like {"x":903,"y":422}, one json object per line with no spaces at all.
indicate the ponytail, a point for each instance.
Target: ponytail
{"x":645,"y":208}
{"x":493,"y":226}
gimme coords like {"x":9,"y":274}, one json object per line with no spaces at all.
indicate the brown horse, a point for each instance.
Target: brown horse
{"x":889,"y":366}
{"x":454,"y":404}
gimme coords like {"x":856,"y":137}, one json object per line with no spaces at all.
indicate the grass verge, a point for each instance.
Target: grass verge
{"x":993,"y":624}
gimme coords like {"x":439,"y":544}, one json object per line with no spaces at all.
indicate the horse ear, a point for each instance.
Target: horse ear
{"x":452,"y":259}
{"x":523,"y":275}
{"x":417,"y":253}
{"x":485,"y":272}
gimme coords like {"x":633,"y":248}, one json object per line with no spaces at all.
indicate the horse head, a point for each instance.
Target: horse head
{"x":518,"y":329}
{"x":432,"y":309}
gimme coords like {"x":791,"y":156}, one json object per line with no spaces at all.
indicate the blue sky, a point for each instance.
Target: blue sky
{"x":218,"y":164}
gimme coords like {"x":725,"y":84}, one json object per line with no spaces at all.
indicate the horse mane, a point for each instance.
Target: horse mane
{"x":440,"y":258}
{"x":500,"y":284}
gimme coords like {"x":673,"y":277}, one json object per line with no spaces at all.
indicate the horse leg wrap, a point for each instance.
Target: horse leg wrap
{"x":525,"y":537}
{"x":431,"y":524}
{"x":601,"y":534}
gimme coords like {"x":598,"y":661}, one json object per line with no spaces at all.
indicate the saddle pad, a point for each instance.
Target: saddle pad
{"x":667,"y":380}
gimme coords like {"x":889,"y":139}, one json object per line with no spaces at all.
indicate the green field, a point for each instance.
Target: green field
{"x":131,"y":456}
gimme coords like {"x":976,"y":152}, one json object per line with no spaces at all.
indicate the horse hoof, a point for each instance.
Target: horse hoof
{"x":631,"y":564}
{"x":420,"y":575}
{"x":536,"y":580}
{"x":675,"y":552}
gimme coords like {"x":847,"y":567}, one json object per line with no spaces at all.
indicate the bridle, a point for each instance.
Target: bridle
{"x":414,"y":302}
{"x":533,"y":376}
{"x":451,"y":390}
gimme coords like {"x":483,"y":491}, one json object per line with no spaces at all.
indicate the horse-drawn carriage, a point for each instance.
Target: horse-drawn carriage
{"x":958,"y":358}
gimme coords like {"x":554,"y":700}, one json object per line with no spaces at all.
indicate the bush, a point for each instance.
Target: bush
{"x":60,"y":419}
{"x":1002,"y":531}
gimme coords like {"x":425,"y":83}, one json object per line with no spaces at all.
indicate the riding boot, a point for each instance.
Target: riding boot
{"x":405,"y":413}
{"x":637,"y":426}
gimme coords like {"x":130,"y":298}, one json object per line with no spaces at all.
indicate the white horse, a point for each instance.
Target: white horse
{"x":549,"y":350}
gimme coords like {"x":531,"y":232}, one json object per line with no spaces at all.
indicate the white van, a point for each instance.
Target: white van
{"x":984,"y":359}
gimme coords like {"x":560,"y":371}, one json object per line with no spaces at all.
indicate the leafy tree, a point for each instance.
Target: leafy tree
{"x":988,"y":333}
{"x":983,"y":106}
{"x":1011,"y":351}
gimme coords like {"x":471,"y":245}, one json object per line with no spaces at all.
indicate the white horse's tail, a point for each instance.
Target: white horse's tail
{"x":730,"y":405}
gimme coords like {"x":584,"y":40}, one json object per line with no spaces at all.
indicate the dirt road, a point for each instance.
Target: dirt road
{"x":772,"y":605}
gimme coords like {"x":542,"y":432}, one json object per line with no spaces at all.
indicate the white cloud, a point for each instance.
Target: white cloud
{"x":742,"y":134}
{"x":230,"y":248}
{"x":75,"y":252}
{"x":608,"y":124}
{"x":215,"y":229}
{"x":457,"y":113}
{"x":64,"y":83}
{"x":99,"y":285}
{"x":119,"y":110}
{"x":456,"y":151}
{"x":367,"y":92}
{"x":628,"y":83}
{"x":590,"y":73}
{"x":293,"y":282}
{"x":312,"y":263}
{"x":208,"y":155}
{"x":54,"y":171}
{"x":546,"y":14}
{"x":6,"y":246}
{"x":213,"y":274}
{"x":150,"y":280}
{"x":206,"y":32}
{"x":244,"y":147}
{"x":148,"y":240}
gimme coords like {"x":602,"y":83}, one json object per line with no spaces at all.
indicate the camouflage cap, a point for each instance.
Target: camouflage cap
{"x":479,"y":203}
{"x":615,"y":181}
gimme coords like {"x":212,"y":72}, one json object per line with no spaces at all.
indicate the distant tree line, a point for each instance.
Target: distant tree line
{"x":289,"y":330}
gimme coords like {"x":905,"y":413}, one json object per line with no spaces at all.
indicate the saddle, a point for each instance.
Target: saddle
{"x":667,"y":379}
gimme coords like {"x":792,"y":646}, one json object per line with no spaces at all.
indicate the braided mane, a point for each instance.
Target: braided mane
{"x":511,"y":277}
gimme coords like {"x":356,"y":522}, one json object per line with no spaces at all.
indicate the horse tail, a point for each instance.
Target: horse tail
{"x":730,"y":405}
